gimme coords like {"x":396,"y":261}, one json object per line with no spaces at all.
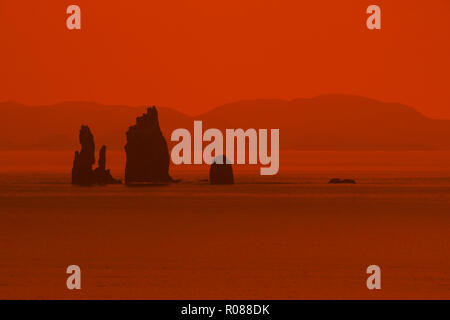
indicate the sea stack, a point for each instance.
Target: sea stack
{"x":101,"y":174}
{"x":221,"y":172}
{"x":82,"y":173}
{"x":147,"y":151}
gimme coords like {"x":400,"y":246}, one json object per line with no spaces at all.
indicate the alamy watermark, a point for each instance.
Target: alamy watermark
{"x":237,"y":143}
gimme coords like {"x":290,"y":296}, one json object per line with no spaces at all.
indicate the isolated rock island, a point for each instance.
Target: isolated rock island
{"x":221,"y":172}
{"x":338,"y":181}
{"x":147,"y":152}
{"x":82,"y":173}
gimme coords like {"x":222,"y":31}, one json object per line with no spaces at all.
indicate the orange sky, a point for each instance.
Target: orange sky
{"x":197,"y":54}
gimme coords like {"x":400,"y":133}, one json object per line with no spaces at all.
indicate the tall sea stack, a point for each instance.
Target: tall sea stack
{"x":82,"y":173}
{"x":101,"y":174}
{"x":147,"y":151}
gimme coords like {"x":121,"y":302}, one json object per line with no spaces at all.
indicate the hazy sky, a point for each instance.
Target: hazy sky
{"x":197,"y":54}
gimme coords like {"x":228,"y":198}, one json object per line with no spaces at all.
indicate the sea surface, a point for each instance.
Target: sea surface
{"x":289,"y":236}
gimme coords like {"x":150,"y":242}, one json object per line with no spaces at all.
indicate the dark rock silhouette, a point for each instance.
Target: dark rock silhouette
{"x":82,"y":173}
{"x":103,"y":176}
{"x":337,"y":180}
{"x":147,"y":151}
{"x":221,"y":173}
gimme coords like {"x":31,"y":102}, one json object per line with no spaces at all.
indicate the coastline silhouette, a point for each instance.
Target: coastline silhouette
{"x":329,"y":122}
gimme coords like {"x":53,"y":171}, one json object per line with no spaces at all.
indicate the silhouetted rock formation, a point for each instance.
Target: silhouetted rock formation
{"x":82,"y":173}
{"x":103,"y":176}
{"x":221,"y":173}
{"x":147,"y":152}
{"x":337,"y":180}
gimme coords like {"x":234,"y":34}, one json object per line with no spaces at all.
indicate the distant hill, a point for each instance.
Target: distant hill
{"x":56,"y":127}
{"x":332,"y":122}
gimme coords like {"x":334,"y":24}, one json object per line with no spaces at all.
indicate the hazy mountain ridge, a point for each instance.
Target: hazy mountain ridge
{"x":329,"y":122}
